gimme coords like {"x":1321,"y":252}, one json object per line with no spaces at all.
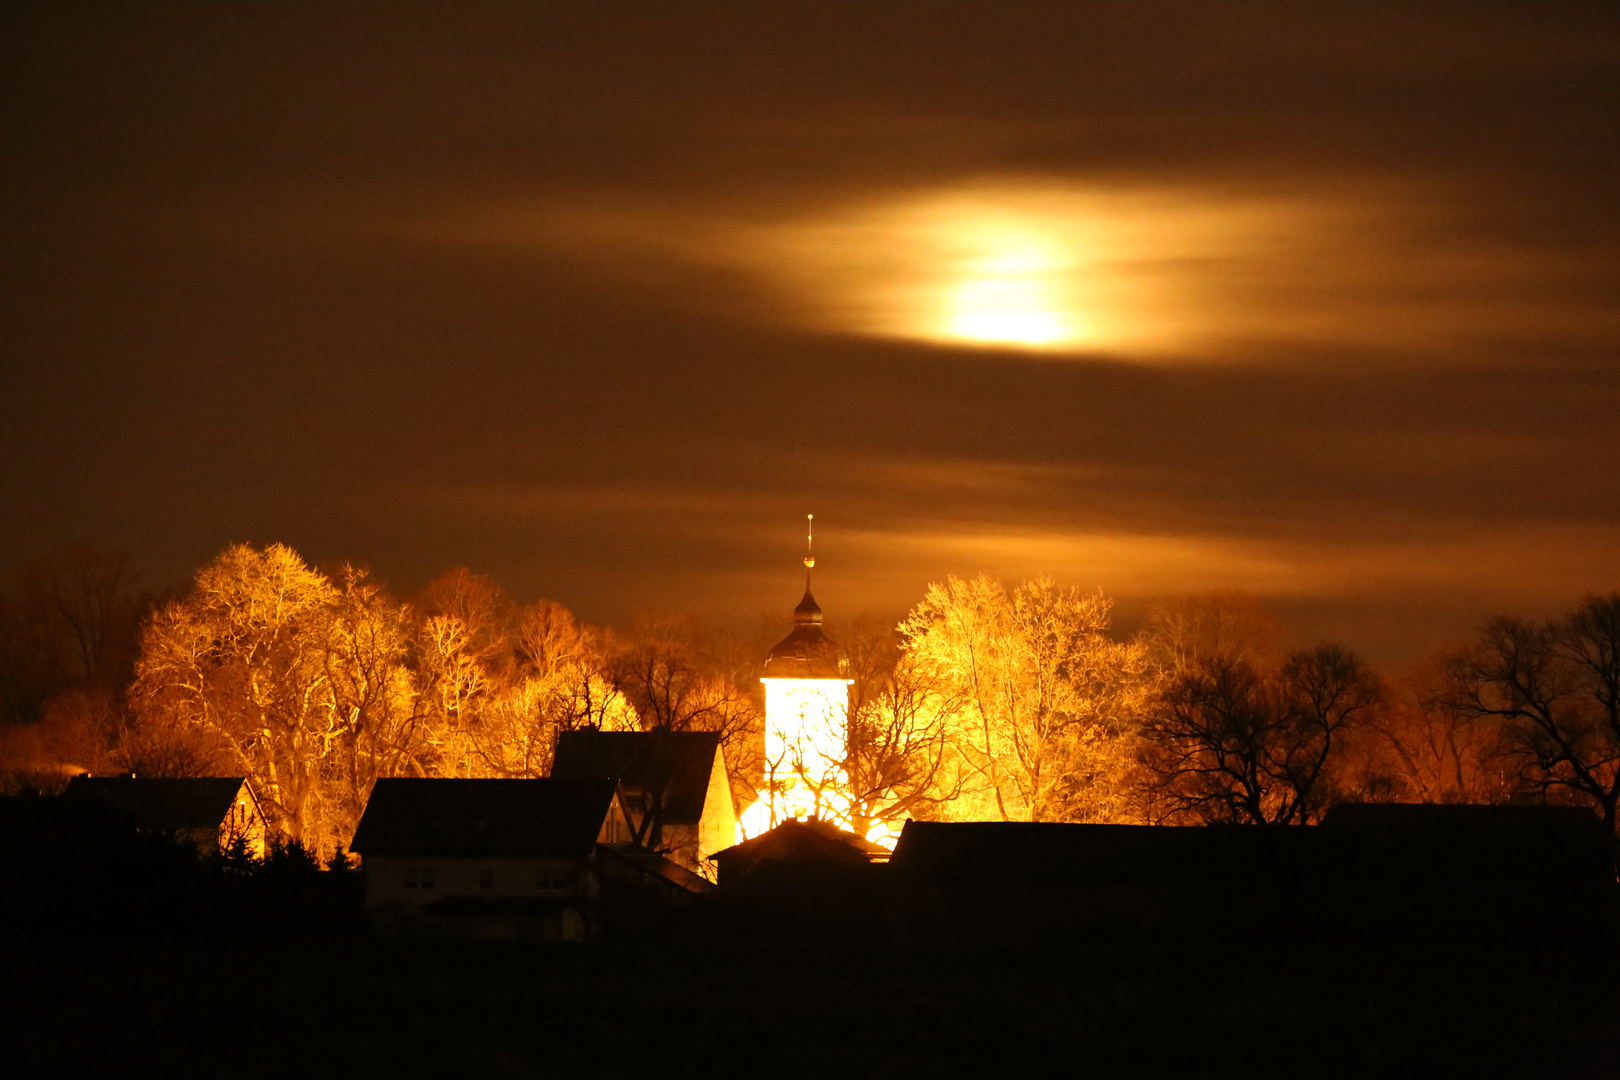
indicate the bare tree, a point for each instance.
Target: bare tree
{"x":898,"y":760}
{"x":318,"y":686}
{"x":1228,"y":742}
{"x":463,"y":659}
{"x":1553,"y":689}
{"x":663,"y":669}
{"x":1185,"y":631}
{"x":675,"y":683}
{"x":69,"y":623}
{"x":486,"y":614}
{"x":502,"y":680}
{"x":1049,"y":704}
{"x":1416,"y":749}
{"x":378,"y":728}
{"x":242,"y":657}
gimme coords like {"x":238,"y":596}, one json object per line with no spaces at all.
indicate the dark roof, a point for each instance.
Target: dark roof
{"x":1461,"y":817}
{"x":655,"y":866}
{"x":170,"y":803}
{"x":484,"y":817}
{"x":807,"y":652}
{"x":1411,"y":842}
{"x":1546,"y":843}
{"x":1047,"y":851}
{"x":677,"y":764}
{"x":811,"y":840}
{"x":808,"y":612}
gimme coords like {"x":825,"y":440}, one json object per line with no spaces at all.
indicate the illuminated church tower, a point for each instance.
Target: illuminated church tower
{"x":806,"y":714}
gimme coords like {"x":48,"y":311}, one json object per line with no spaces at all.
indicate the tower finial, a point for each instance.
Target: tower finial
{"x":809,"y":548}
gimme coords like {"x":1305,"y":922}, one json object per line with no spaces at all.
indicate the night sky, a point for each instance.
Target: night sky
{"x":1319,"y":301}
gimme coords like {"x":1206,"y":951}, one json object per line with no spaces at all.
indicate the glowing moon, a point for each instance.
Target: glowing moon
{"x":1022,"y":268}
{"x":1009,"y":297}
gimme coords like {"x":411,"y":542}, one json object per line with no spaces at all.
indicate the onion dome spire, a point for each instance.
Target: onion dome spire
{"x":808,"y":613}
{"x":807,"y":652}
{"x":809,"y":548}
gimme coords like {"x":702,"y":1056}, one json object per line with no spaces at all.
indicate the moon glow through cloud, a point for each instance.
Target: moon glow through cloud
{"x":1177,"y":274}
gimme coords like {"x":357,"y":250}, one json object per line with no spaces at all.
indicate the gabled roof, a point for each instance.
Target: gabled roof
{"x":676,"y":764}
{"x":170,"y":803}
{"x":811,"y":840}
{"x":560,"y":818}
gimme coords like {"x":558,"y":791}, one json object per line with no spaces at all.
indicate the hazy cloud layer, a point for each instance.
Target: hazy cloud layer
{"x":602,"y":300}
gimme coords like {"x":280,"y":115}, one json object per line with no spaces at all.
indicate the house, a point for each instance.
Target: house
{"x":676,"y":793}
{"x":212,"y":812}
{"x":525,"y":859}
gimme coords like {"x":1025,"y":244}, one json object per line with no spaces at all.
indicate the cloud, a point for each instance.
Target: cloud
{"x":888,"y":526}
{"x":1062,"y":266}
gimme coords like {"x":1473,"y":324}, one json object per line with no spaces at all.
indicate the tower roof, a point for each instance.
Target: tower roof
{"x":806,"y":653}
{"x":808,"y":613}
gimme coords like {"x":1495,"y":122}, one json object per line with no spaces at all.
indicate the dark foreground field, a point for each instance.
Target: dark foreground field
{"x":360,"y":1008}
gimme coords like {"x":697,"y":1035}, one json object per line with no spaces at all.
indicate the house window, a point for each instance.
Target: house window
{"x":486,"y":879}
{"x":551,"y":881}
{"x":418,"y":878}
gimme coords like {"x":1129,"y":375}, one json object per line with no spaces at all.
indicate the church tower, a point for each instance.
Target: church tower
{"x":806,"y":714}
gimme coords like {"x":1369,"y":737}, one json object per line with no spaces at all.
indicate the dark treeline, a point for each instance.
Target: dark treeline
{"x":84,"y":867}
{"x":985,"y":703}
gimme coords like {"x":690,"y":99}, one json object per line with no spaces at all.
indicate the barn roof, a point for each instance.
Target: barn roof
{"x":553,"y":817}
